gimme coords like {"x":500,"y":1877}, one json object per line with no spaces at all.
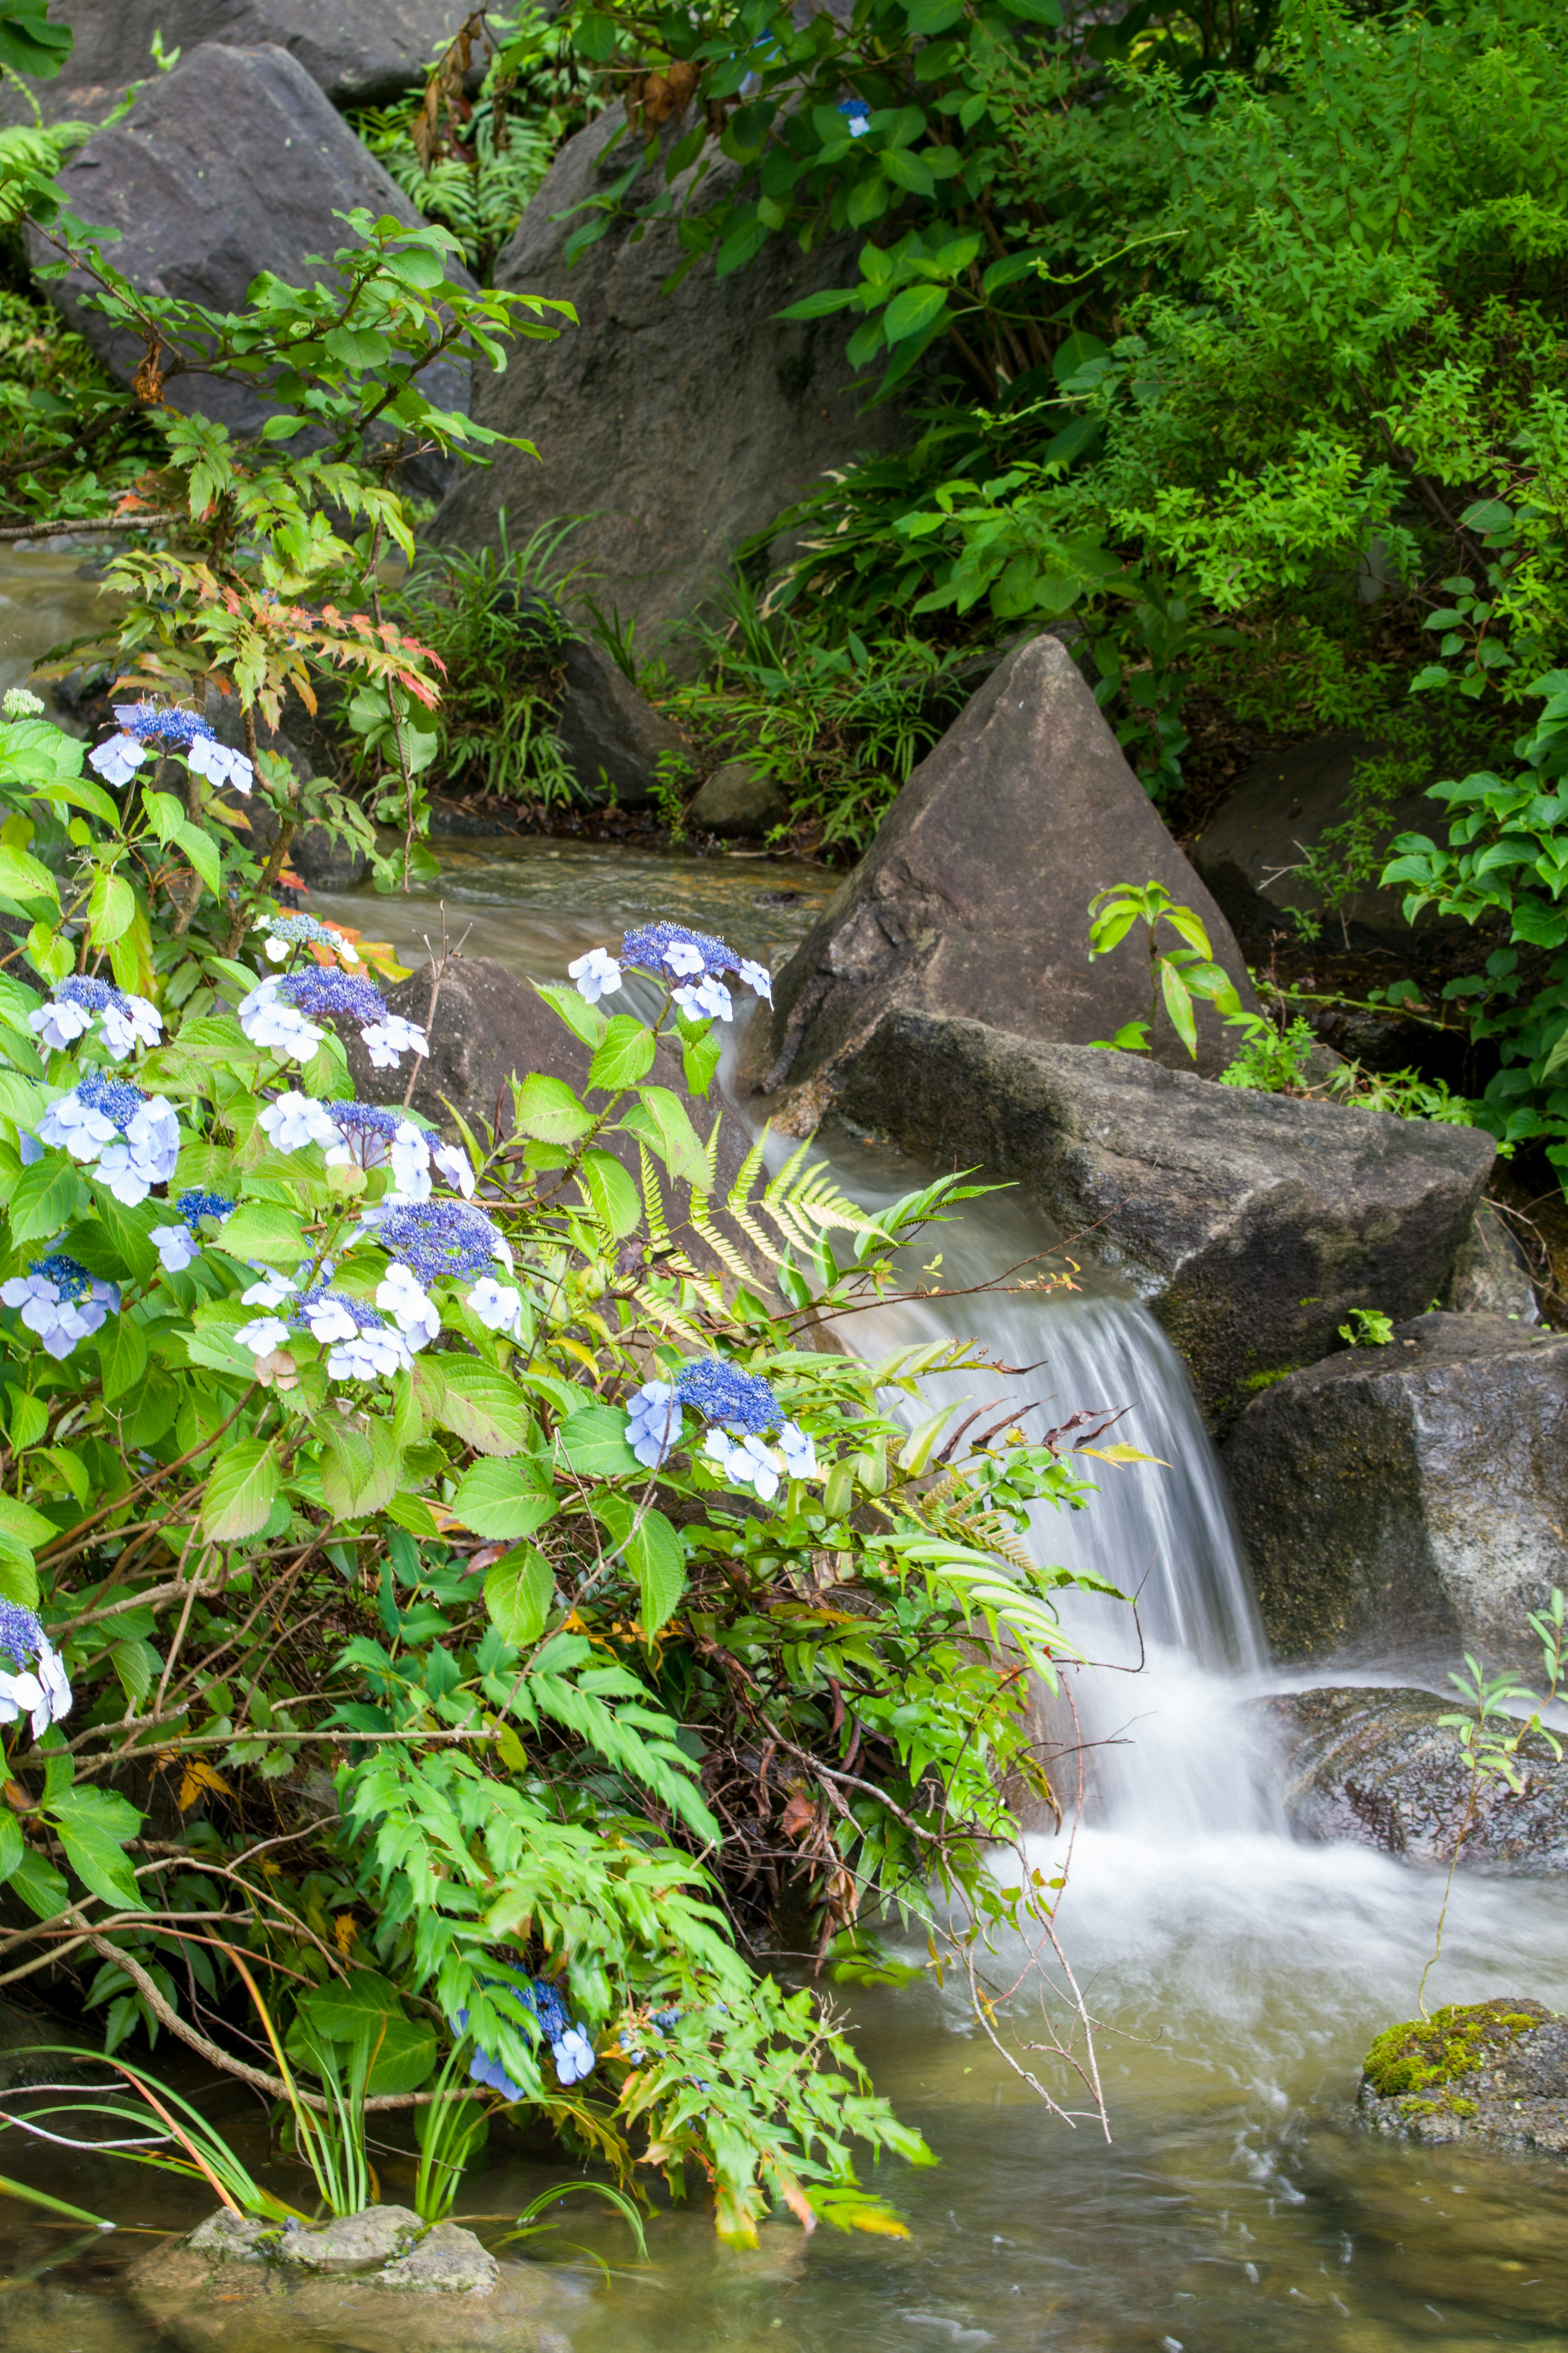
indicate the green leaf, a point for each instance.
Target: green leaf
{"x":120,"y":1235}
{"x":365,"y":2013}
{"x":413,"y":1513}
{"x":121,"y":1354}
{"x":45,"y":1197}
{"x":500,"y":1500}
{"x":241,"y":1491}
{"x":518,"y":1590}
{"x":825,"y":301}
{"x":653,"y":1552}
{"x":912,"y":310}
{"x":12,"y":1846}
{"x":595,"y":1444}
{"x":18,"y":1580}
{"x":548,"y":1109}
{"x":94,"y":1847}
{"x":701,"y":1055}
{"x":484,"y":1409}
{"x":22,"y":1529}
{"x":1178,"y":1006}
{"x":659,"y":1118}
{"x":585,"y":1021}
{"x":907,"y":171}
{"x":360,"y":1468}
{"x":625,"y":1055}
{"x":110,"y":908}
{"x":41,"y":1888}
{"x":610,"y":1189}
{"x":202,"y":852}
{"x":266,"y":1230}
{"x":22,"y":877}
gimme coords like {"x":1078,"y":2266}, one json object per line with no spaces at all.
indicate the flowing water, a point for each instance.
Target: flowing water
{"x":1235,"y":1976}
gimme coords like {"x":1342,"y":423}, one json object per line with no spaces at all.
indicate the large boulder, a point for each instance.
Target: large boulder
{"x":1494,"y":2073}
{"x":1252,"y":1224}
{"x":1411,"y":1496}
{"x":678,"y":425}
{"x":1380,"y":1769}
{"x":614,"y":739}
{"x":359,"y":52}
{"x":231,"y":164}
{"x":972,"y":900}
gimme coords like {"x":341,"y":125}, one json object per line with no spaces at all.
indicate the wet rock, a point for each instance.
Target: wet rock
{"x":242,"y":2287}
{"x":376,"y":2236}
{"x":448,"y":2261}
{"x":1410,"y":1495}
{"x":613,"y":737}
{"x":972,"y":900}
{"x":737,"y":800}
{"x":233,"y":164}
{"x":359,"y":52}
{"x":677,"y":426}
{"x":1279,"y":811}
{"x":1491,"y":1276}
{"x":1493,"y":2073}
{"x":1250,"y":1223}
{"x":1376,"y":1767}
{"x":326,"y":860}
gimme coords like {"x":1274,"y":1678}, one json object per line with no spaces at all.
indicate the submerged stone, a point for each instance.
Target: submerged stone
{"x":1494,"y":2073}
{"x":378,"y":2282}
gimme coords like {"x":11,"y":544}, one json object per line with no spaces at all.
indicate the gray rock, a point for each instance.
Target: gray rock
{"x":972,"y":900}
{"x":446,"y":2261}
{"x":1410,"y":1495}
{"x":612,"y":738}
{"x":1375,"y":1767}
{"x":677,"y":424}
{"x":233,"y":164}
{"x":1280,"y":810}
{"x":359,"y":52}
{"x":377,"y":2236}
{"x":1250,"y":1223}
{"x":1494,"y":2074}
{"x":232,"y":2238}
{"x":1490,"y":1275}
{"x":327,"y":860}
{"x":737,"y":799}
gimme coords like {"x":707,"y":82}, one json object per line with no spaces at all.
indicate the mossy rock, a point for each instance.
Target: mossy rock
{"x":1492,"y":2072}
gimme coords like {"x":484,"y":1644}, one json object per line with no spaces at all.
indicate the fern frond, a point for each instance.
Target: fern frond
{"x":652,"y":1198}
{"x":664,"y":1313}
{"x":723,"y":1249}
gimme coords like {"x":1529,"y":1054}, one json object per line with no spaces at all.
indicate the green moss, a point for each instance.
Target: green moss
{"x":1433,"y":2054}
{"x":1267,"y":1380}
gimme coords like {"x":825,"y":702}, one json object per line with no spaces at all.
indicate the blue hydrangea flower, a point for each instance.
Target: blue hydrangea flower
{"x":20,"y":1633}
{"x":434,"y":1239}
{"x":722,"y":1392}
{"x":133,"y":1137}
{"x":666,"y":948}
{"x":125,"y":1021}
{"x":194,"y":1205}
{"x":319,"y":989}
{"x":45,"y":1693}
{"x":277,"y":1013}
{"x":857,"y":116}
{"x":653,"y":1423}
{"x":570,"y":2043}
{"x":286,"y":931}
{"x":151,"y":724}
{"x":60,"y":1300}
{"x":180,"y":1246}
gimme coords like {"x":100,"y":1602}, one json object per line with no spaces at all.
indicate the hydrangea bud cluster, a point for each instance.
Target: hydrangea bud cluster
{"x":143,"y":725}
{"x":60,"y":1300}
{"x":283,"y":933}
{"x":694,"y":962}
{"x":132,"y":1138}
{"x":278,"y":1015}
{"x":739,"y":1408}
{"x":124,"y":1022}
{"x":46,"y":1695}
{"x":180,"y":1246}
{"x":857,"y":116}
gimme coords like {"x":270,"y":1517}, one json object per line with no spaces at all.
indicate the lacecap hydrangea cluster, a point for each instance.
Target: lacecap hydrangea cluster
{"x":740,"y":1408}
{"x":79,"y":1004}
{"x":130,"y":1139}
{"x":60,"y":1300}
{"x":570,"y":2045}
{"x":427,"y":1242}
{"x":284,"y":933}
{"x":278,"y":1013}
{"x":153,"y":727}
{"x":693,"y":963}
{"x":42,"y":1692}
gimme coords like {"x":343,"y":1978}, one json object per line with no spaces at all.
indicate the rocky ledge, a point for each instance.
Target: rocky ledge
{"x":1490,"y":2072}
{"x":380,"y":2282}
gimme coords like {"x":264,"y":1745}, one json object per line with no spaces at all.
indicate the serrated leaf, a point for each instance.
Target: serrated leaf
{"x":41,"y":1888}
{"x":23,"y":878}
{"x":110,"y":908}
{"x":266,"y":1230}
{"x":202,"y":852}
{"x":413,"y":1513}
{"x":624,"y":1055}
{"x":547,"y":1110}
{"x":610,"y":1189}
{"x":593,"y":1441}
{"x":45,"y":1197}
{"x":483,"y":1409}
{"x":519,"y":1589}
{"x":12,"y":1847}
{"x":359,"y":1468}
{"x":500,"y":1500}
{"x":659,"y":1118}
{"x":583,"y":1020}
{"x":241,"y":1490}
{"x":121,"y":1354}
{"x":653,"y":1552}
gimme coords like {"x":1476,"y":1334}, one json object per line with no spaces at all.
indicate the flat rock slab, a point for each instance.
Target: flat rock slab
{"x":972,"y":901}
{"x":1410,"y":1495}
{"x":232,"y":163}
{"x":1368,"y":1766}
{"x":1251,"y":1223}
{"x":371,"y":2283}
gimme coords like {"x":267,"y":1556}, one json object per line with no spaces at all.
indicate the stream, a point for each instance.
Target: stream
{"x":1235,"y":1974}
